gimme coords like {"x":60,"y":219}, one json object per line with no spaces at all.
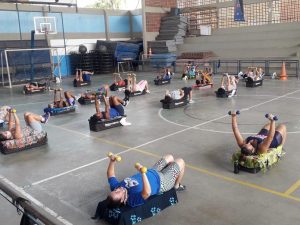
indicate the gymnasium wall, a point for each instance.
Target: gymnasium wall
{"x":84,"y":26}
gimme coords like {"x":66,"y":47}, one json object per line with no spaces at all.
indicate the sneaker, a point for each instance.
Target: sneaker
{"x":181,"y":187}
{"x":147,"y":91}
{"x":191,"y":101}
{"x":124,"y":122}
{"x":126,"y":102}
{"x":46,"y":118}
{"x":77,"y":97}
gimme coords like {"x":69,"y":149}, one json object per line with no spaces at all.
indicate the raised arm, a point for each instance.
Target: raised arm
{"x":111,"y":167}
{"x":238,"y":137}
{"x":265,"y":145}
{"x":146,"y":192}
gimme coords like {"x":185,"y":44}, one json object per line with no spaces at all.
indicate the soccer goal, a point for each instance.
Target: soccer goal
{"x":24,"y":65}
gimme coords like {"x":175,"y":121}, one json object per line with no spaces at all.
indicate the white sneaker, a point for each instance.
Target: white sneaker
{"x":124,"y":122}
{"x":191,"y":101}
{"x":147,"y":91}
{"x":77,"y":97}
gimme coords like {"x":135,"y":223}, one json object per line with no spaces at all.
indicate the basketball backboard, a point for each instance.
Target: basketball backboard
{"x":45,"y":25}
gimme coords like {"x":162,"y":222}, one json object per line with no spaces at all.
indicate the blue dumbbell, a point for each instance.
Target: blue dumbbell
{"x":237,"y":112}
{"x":274,"y":117}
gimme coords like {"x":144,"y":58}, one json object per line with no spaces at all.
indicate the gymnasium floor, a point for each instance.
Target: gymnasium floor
{"x":68,"y":175}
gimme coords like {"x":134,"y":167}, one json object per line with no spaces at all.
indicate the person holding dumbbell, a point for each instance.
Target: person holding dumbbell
{"x":15,"y":131}
{"x":134,"y":191}
{"x":229,"y":84}
{"x":269,"y":136}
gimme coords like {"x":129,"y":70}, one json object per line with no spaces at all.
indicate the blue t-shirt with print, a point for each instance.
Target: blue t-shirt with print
{"x":134,"y":186}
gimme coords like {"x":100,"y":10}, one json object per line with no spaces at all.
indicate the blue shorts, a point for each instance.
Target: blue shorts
{"x":112,"y":113}
{"x":86,"y":77}
{"x":277,"y":139}
{"x":119,"y":109}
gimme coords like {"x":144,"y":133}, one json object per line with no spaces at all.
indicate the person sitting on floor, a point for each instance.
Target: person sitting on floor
{"x":133,"y":191}
{"x":268,"y":137}
{"x":132,"y":86}
{"x":185,"y":92}
{"x":229,"y":84}
{"x":16,"y":132}
{"x":61,"y":103}
{"x":82,"y":75}
{"x":113,"y":108}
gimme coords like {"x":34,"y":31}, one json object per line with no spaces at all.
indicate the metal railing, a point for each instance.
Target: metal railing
{"x":25,"y":206}
{"x":269,"y":66}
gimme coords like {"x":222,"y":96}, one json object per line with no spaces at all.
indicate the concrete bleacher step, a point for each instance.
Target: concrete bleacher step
{"x":250,"y":44}
{"x":175,"y":18}
{"x":164,"y":43}
{"x":163,"y":50}
{"x":172,"y":30}
{"x":180,"y":26}
{"x":243,"y":53}
{"x":277,"y":40}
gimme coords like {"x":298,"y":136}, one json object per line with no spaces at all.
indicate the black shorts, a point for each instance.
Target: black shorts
{"x":168,"y":99}
{"x":186,"y":91}
{"x":277,"y":139}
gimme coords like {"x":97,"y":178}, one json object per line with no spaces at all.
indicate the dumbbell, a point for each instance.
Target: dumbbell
{"x":114,"y":157}
{"x":270,"y":116}
{"x":140,"y":168}
{"x":237,"y":112}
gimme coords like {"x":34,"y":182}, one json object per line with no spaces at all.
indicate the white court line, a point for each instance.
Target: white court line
{"x":152,"y":141}
{"x":77,"y":168}
{"x":129,"y":149}
{"x":35,"y":201}
{"x":196,"y":128}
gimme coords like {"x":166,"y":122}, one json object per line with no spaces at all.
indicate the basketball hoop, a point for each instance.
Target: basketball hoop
{"x":46,"y":31}
{"x":45,"y":25}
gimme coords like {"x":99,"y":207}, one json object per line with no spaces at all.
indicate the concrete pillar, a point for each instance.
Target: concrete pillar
{"x":106,"y":22}
{"x":144,"y":27}
{"x":131,"y":25}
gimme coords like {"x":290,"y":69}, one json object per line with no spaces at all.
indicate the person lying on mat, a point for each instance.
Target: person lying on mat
{"x":132,"y":86}
{"x":185,"y":92}
{"x":15,"y":131}
{"x":35,"y":86}
{"x":229,"y":84}
{"x":102,"y":91}
{"x":118,"y":82}
{"x":259,"y":73}
{"x":113,"y":107}
{"x":166,"y":174}
{"x":166,"y":75}
{"x":268,"y":137}
{"x":82,"y":75}
{"x":61,"y":103}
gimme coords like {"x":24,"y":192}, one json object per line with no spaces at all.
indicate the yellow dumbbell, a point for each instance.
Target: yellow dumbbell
{"x":13,"y":110}
{"x":114,"y":157}
{"x":140,"y":168}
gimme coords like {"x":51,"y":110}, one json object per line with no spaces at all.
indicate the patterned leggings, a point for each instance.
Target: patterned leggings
{"x":168,"y":174}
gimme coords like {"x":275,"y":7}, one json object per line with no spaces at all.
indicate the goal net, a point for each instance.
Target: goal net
{"x":24,"y":65}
